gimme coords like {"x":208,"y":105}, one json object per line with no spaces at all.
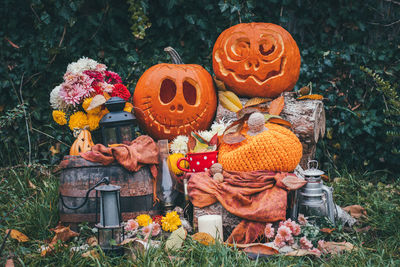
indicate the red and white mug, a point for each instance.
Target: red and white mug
{"x":199,"y":162}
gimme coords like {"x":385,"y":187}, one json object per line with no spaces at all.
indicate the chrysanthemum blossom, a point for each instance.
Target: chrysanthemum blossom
{"x":269,"y":231}
{"x":131,"y":225}
{"x":279,"y":241}
{"x":56,"y":101}
{"x":285,"y":232}
{"x":75,"y":88}
{"x":290,"y":241}
{"x":112,"y":77}
{"x":155,"y":229}
{"x":81,"y":65}
{"x":305,"y":243}
{"x":294,"y":227}
{"x":179,"y":144}
{"x":219,"y":127}
{"x":301,"y":219}
{"x":316,"y":252}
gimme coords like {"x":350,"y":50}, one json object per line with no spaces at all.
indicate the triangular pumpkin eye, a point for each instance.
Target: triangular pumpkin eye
{"x":167,"y":91}
{"x":189,"y":93}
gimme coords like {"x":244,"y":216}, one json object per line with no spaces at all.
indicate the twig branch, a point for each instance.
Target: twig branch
{"x":60,"y":43}
{"x":102,"y":21}
{"x":26,"y":122}
{"x":52,"y":137}
{"x":4,"y":242}
{"x":394,"y":2}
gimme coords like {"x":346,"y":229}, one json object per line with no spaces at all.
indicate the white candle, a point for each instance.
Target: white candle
{"x":211,"y":224}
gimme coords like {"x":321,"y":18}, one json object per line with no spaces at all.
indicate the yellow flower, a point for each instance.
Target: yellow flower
{"x":59,"y":117}
{"x":78,"y":120}
{"x":173,"y":160}
{"x":171,"y":221}
{"x":93,"y":121}
{"x":128,"y":107}
{"x":86,"y":104}
{"x":144,"y":220}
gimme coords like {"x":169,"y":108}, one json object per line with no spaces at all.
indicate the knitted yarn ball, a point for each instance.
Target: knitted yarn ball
{"x":256,"y":123}
{"x":276,"y":149}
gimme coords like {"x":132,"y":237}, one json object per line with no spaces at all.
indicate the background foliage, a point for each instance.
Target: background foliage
{"x":39,"y":38}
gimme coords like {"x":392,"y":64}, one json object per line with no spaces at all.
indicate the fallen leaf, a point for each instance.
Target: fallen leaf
{"x":311,"y":97}
{"x":302,"y":252}
{"x":63,"y":233}
{"x":256,"y":101}
{"x":276,"y":106}
{"x":203,"y":238}
{"x":327,"y":230}
{"x":11,"y":43}
{"x":17,"y":235}
{"x":305,"y":90}
{"x":9,"y":263}
{"x":97,"y":100}
{"x":91,"y":253}
{"x":356,"y":211}
{"x":261,"y":249}
{"x":220,"y":84}
{"x":55,"y":149}
{"x":233,"y":138}
{"x":31,"y":185}
{"x":335,"y":247}
{"x":106,"y":95}
{"x":128,"y":241}
{"x":175,"y":240}
{"x":293,"y":182}
{"x":92,"y":241}
{"x":280,"y":121}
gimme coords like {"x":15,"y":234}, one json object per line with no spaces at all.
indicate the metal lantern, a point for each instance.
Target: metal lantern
{"x":110,"y":229}
{"x":118,"y":126}
{"x":314,"y":200}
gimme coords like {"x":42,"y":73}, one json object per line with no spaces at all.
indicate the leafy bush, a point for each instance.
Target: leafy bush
{"x":335,"y":38}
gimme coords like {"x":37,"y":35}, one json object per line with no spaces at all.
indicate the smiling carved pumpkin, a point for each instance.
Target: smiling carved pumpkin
{"x":174,"y":99}
{"x":257,"y":59}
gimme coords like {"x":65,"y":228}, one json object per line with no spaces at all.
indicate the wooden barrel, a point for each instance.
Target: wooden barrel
{"x":77,"y":175}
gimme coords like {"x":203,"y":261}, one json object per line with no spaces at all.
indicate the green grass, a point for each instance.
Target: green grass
{"x":34,"y":211}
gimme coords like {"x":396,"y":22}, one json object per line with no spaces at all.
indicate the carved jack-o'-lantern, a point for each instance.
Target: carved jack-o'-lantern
{"x":83,"y":143}
{"x":257,"y":59}
{"x":174,"y":99}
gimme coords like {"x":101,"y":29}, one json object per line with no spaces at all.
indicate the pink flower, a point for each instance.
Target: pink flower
{"x":294,"y":227}
{"x":305,"y":243}
{"x":154,"y":229}
{"x":316,"y":251}
{"x":285,"y":232}
{"x":131,"y":225}
{"x":269,"y":231}
{"x":101,"y":67}
{"x":290,"y":241}
{"x":279,"y":241}
{"x":96,"y":75}
{"x":301,"y":219}
{"x":75,"y":88}
{"x":321,"y":245}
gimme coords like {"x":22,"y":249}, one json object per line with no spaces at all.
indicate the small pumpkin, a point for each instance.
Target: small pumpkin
{"x":257,"y":59}
{"x":83,"y":143}
{"x":174,"y":99}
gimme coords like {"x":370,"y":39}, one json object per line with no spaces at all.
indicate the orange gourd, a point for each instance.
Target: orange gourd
{"x":257,"y":59}
{"x":174,"y":99}
{"x":83,"y":143}
{"x":275,"y":149}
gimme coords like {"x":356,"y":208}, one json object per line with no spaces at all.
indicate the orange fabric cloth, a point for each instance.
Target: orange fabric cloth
{"x":257,"y":196}
{"x":141,"y":151}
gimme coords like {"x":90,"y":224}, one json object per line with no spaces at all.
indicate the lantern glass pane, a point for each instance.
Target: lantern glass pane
{"x":110,"y":135}
{"x":109,"y":209}
{"x":109,"y":237}
{"x":127,"y":134}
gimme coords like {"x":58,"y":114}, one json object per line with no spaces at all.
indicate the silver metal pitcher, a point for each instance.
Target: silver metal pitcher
{"x":314,"y":200}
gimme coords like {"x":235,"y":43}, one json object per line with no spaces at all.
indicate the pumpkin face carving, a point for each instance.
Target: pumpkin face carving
{"x":83,"y":143}
{"x":257,"y":59}
{"x":174,"y":99}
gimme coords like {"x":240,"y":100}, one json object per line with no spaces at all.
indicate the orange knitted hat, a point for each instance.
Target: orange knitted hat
{"x":276,"y":149}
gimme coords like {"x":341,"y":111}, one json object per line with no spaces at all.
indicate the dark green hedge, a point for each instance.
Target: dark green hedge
{"x":39,"y":38}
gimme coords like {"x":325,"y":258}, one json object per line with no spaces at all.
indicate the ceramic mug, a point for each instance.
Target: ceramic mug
{"x":199,"y":162}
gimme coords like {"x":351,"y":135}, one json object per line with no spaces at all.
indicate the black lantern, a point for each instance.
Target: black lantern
{"x":118,"y":126}
{"x":110,"y":229}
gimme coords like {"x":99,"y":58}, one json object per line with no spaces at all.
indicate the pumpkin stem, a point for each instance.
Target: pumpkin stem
{"x":176,"y":59}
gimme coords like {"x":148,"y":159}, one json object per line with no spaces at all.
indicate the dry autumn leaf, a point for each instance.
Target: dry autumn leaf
{"x":92,"y":241}
{"x":276,"y":106}
{"x":256,"y":101}
{"x":261,"y":249}
{"x":203,"y":238}
{"x":98,"y":100}
{"x":175,"y":240}
{"x":63,"y":234}
{"x":220,"y":84}
{"x":335,"y":247}
{"x":356,"y":211}
{"x":91,"y":253}
{"x":327,"y":230}
{"x":311,"y":97}
{"x":9,"y":263}
{"x":302,"y":252}
{"x":280,"y":121}
{"x":17,"y":235}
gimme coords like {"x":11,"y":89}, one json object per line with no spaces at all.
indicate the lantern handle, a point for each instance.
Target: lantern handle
{"x":105,"y":180}
{"x":312,"y":164}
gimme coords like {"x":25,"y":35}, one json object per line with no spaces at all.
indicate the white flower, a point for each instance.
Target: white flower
{"x":179,"y":144}
{"x":81,"y":65}
{"x":56,"y":101}
{"x":219,"y":127}
{"x":207,"y":135}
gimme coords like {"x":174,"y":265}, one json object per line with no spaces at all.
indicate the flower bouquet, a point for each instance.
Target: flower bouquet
{"x":79,"y":101}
